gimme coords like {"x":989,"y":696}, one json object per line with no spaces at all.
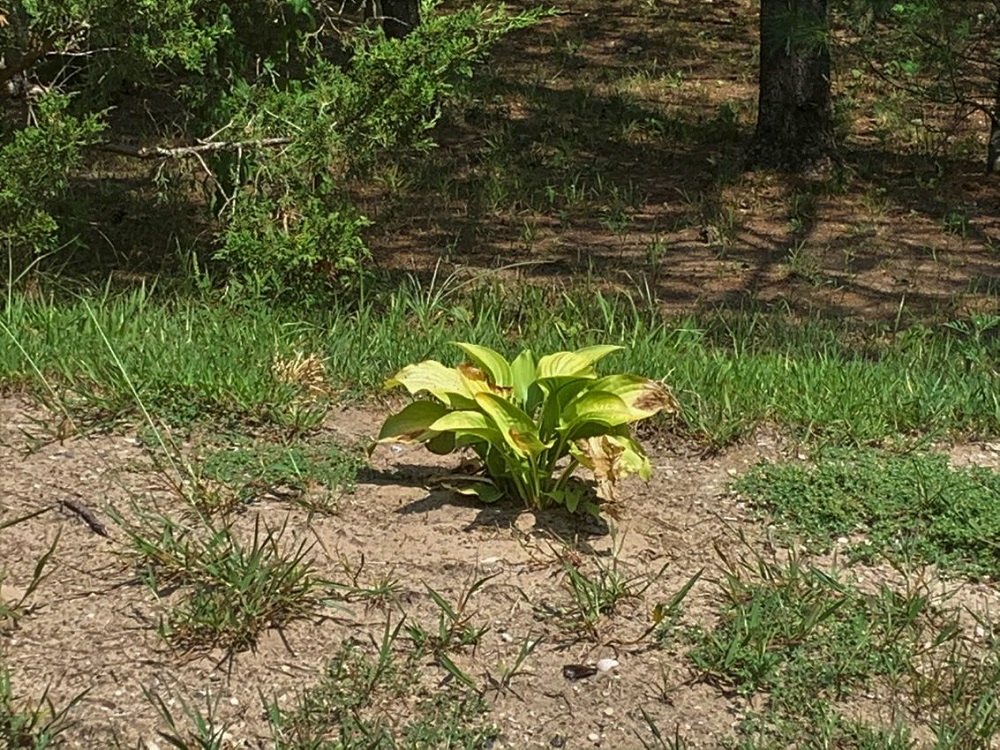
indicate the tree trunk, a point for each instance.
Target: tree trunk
{"x":794,"y":118}
{"x":993,"y":148}
{"x":398,"y":17}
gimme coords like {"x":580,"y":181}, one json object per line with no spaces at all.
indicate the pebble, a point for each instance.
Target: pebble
{"x":594,"y":737}
{"x":606,"y":665}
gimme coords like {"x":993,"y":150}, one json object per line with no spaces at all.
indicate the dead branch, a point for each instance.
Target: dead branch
{"x":86,"y":514}
{"x":181,"y":152}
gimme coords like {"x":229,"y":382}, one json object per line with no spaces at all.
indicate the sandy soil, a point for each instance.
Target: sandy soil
{"x":93,"y":626}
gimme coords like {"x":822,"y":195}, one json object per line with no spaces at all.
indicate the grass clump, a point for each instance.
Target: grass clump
{"x":26,"y":726}
{"x":357,"y":704}
{"x":312,"y":473}
{"x":912,"y":507}
{"x":231,"y":590}
{"x":811,"y":649}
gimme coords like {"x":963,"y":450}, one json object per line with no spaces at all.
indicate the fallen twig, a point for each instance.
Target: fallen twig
{"x":180,"y":152}
{"x":88,"y":516}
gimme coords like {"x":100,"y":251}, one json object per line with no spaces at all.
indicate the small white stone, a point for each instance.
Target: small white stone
{"x":490,"y":560}
{"x":506,"y":637}
{"x":842,"y":540}
{"x":594,"y":737}
{"x":606,"y":665}
{"x":980,"y":631}
{"x":609,"y":711}
{"x":234,"y":701}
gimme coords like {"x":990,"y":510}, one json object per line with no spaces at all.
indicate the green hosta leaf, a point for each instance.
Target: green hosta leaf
{"x":442,"y":444}
{"x":643,"y":397}
{"x":556,"y":402}
{"x":469,"y":423}
{"x":485,"y":491}
{"x":446,"y":384}
{"x":517,"y":427}
{"x":572,"y":364}
{"x":522,"y":372}
{"x":595,"y":407}
{"x":494,"y":364}
{"x":412,"y":423}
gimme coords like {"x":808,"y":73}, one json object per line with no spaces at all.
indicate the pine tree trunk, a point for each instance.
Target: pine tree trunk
{"x":993,"y":152}
{"x":794,"y":119}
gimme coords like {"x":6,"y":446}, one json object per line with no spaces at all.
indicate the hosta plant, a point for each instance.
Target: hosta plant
{"x":531,"y":422}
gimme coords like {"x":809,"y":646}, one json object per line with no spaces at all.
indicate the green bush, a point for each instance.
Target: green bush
{"x":283,"y":105}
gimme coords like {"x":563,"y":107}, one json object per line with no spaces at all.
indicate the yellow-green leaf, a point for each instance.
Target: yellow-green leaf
{"x":644,"y":397}
{"x":522,"y":373}
{"x":446,"y":384}
{"x":487,"y":492}
{"x":517,"y":427}
{"x":569,"y":364}
{"x":468,"y":422}
{"x":412,"y":423}
{"x":595,"y":407}
{"x":491,"y":361}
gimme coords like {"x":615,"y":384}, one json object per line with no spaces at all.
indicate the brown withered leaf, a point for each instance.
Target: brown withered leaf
{"x":602,"y":457}
{"x":657,"y":396}
{"x":307,"y":372}
{"x":472,"y":372}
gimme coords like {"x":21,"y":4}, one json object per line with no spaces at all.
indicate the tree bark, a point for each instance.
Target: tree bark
{"x":993,"y":148}
{"x":794,"y":118}
{"x":398,"y":17}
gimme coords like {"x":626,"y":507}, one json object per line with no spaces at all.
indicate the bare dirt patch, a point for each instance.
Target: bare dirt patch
{"x":92,"y":625}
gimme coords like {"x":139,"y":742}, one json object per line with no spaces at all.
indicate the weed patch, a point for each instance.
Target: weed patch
{"x":231,"y":590}
{"x":356,"y":705}
{"x":907,"y":507}
{"x":312,"y":473}
{"x":809,"y":648}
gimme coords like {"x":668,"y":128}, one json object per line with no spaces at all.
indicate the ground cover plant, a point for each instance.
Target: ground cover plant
{"x":912,"y":507}
{"x":226,"y":227}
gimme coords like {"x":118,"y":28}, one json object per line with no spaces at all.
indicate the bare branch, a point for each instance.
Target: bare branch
{"x":181,"y":152}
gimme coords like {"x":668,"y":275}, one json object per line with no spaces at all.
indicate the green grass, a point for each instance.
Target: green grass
{"x":808,"y":647}
{"x":312,"y":473}
{"x":230,"y":589}
{"x":31,"y":726}
{"x":910,"y":508}
{"x":209,"y":361}
{"x":355,"y":704}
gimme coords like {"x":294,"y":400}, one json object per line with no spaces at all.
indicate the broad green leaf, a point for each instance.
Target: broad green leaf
{"x":556,"y":401}
{"x":469,"y":423}
{"x":522,"y":372}
{"x":412,"y":423}
{"x":446,"y":384}
{"x":442,"y":444}
{"x":568,"y":496}
{"x":485,"y":491}
{"x":528,"y":442}
{"x":517,"y":427}
{"x":490,"y":361}
{"x":595,"y":407}
{"x":643,"y":396}
{"x":578,"y":363}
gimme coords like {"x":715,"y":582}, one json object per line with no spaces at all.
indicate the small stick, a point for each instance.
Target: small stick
{"x":88,"y":516}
